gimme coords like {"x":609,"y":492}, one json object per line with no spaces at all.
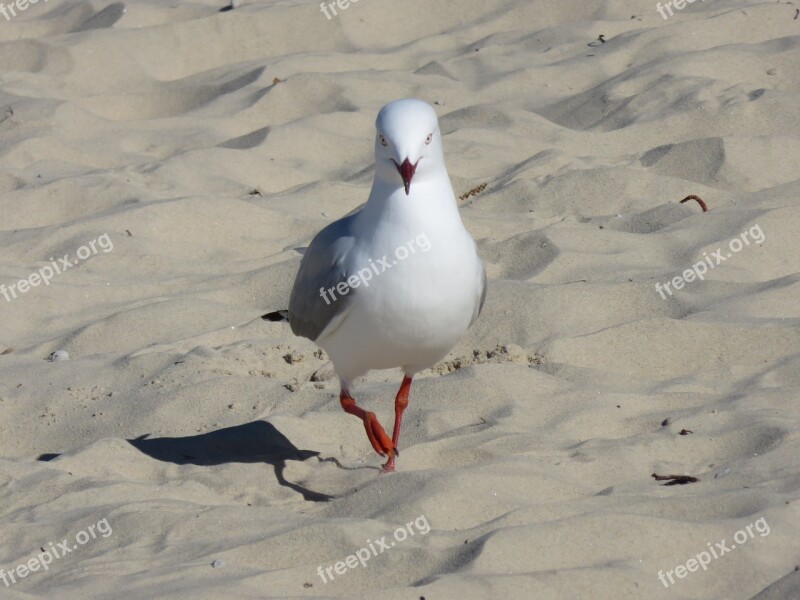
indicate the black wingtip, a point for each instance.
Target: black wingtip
{"x":276,"y":316}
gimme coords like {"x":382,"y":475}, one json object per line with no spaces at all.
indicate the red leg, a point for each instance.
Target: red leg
{"x":377,"y":436}
{"x":400,"y":404}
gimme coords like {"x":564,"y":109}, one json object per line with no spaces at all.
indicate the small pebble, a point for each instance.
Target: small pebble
{"x":218,"y":563}
{"x":293,"y":357}
{"x":58,"y":355}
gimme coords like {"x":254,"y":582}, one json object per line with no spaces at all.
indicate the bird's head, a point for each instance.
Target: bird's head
{"x":408,"y":144}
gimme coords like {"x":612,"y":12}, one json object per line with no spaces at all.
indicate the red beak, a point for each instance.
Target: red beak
{"x":406,"y":171}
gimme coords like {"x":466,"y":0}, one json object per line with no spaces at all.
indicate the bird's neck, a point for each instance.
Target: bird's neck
{"x":430,"y":201}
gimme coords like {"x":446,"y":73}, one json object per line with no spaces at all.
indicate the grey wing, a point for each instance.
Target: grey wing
{"x":483,"y":288}
{"x":321,"y":268}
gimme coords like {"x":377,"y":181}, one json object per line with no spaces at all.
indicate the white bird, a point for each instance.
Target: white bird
{"x":397,"y":283}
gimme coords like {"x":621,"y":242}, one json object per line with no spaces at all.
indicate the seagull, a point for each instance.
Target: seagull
{"x":396,"y":283}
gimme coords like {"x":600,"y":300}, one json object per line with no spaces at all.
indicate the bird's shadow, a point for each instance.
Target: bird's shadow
{"x":258,"y":441}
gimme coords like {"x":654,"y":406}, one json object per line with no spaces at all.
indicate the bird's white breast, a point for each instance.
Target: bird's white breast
{"x":421,"y":302}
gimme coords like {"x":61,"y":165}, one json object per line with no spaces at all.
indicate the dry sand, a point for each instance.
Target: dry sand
{"x":210,"y":145}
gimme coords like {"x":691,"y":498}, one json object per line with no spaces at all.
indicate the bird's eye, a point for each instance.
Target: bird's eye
{"x":383,"y":140}
{"x":429,"y":139}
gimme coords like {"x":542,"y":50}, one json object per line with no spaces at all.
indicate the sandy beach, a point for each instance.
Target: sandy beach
{"x":164,"y":163}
